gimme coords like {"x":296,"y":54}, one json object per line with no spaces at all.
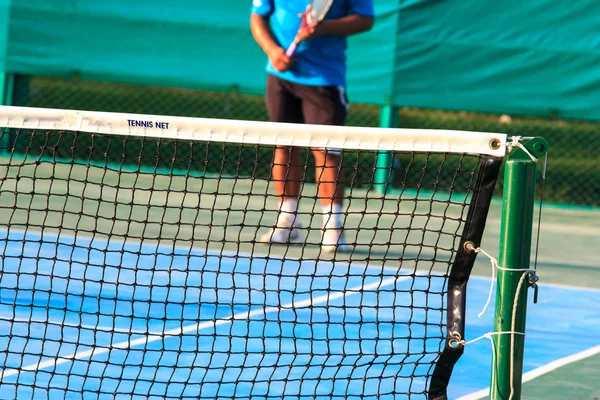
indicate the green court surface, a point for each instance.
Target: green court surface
{"x":578,"y":380}
{"x":569,"y":245}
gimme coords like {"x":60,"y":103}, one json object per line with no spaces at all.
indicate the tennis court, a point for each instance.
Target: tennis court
{"x":114,"y":323}
{"x":133,"y":281}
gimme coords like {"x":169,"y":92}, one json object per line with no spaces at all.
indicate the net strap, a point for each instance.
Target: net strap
{"x":256,"y":132}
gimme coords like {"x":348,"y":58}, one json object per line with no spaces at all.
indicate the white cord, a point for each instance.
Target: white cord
{"x":494,"y":355}
{"x":516,"y":142}
{"x":512,"y":336}
{"x":495,"y":266}
{"x":512,"y":332}
{"x":488,"y":336}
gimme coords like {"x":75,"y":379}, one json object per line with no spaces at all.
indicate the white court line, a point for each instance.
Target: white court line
{"x":195,"y":327}
{"x":544,"y":369}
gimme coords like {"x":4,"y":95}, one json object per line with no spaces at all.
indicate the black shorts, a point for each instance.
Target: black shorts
{"x":291,"y":102}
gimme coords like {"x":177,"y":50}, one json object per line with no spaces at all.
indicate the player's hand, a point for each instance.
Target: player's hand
{"x":305,"y":33}
{"x":280,"y":61}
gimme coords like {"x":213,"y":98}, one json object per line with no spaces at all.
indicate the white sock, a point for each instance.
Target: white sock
{"x":287,"y":212}
{"x":332,"y":216}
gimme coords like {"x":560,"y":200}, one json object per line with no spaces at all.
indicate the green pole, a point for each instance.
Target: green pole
{"x":5,"y":78}
{"x":384,"y":173}
{"x":6,"y":91}
{"x":515,"y":249}
{"x":2,"y":88}
{"x":7,"y":88}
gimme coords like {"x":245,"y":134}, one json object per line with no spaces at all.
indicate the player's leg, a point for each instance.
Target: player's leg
{"x":328,"y":106}
{"x":331,"y":193}
{"x":330,"y":185}
{"x":286,"y":173}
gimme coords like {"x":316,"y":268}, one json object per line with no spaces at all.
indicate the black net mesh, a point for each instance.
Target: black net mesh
{"x":138,"y":266}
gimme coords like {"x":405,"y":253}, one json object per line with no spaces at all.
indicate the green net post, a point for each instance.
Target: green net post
{"x":384,"y":174}
{"x":515,"y":249}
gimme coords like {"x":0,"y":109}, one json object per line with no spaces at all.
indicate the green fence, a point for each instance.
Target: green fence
{"x":573,"y":173}
{"x":505,"y":64}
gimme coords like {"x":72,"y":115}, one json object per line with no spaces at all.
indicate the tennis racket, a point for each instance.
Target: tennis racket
{"x":314,"y":14}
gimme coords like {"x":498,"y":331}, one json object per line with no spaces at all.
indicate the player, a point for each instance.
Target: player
{"x":308,"y":87}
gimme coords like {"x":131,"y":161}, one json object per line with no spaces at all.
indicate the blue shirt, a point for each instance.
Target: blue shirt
{"x":320,"y":61}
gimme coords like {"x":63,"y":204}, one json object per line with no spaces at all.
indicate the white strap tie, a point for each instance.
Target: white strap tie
{"x":488,"y":336}
{"x":495,"y":266}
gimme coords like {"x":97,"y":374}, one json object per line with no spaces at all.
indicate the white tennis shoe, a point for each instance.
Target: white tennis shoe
{"x":283,"y":235}
{"x":333,"y":241}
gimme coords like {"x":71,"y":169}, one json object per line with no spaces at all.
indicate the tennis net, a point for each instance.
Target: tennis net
{"x":138,"y":256}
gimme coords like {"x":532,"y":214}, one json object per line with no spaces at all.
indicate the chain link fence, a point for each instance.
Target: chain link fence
{"x":573,"y":170}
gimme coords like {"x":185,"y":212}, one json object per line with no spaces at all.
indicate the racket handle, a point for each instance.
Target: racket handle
{"x":290,"y":51}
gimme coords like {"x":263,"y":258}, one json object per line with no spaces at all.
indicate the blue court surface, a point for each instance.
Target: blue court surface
{"x":126,"y":320}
